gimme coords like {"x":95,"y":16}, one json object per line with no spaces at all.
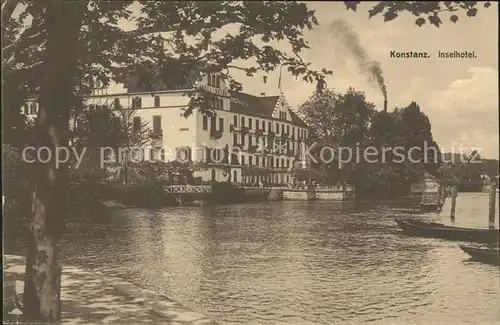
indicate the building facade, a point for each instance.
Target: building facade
{"x":250,"y":139}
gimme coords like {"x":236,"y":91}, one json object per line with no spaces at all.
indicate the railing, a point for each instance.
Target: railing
{"x":178,"y":189}
{"x":156,"y":134}
{"x":216,"y":134}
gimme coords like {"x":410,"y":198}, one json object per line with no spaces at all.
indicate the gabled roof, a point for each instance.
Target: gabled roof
{"x":259,"y":106}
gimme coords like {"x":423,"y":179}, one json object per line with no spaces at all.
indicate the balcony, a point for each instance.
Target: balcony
{"x":280,"y":169}
{"x":245,"y":130}
{"x":237,"y":147}
{"x":271,"y":134}
{"x":259,"y":132}
{"x":156,"y":134}
{"x":233,"y":128}
{"x":253,"y":149}
{"x":216,"y":134}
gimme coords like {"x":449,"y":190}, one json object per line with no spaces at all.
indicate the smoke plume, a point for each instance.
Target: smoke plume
{"x":351,"y":41}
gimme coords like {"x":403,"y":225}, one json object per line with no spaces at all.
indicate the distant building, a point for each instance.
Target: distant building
{"x":425,"y":191}
{"x":251,"y":138}
{"x":427,"y":184}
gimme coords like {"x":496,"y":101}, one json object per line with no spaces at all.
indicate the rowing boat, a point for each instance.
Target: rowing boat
{"x":484,"y":254}
{"x":438,"y":230}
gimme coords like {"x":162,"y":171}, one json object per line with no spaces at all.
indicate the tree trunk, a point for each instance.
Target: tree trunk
{"x":42,"y":300}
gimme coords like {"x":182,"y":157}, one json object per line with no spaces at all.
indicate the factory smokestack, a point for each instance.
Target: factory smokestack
{"x":367,"y":66}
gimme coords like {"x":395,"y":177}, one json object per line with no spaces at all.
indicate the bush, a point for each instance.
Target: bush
{"x":17,"y":182}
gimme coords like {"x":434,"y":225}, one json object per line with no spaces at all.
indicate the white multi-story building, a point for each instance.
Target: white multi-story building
{"x":262,"y":135}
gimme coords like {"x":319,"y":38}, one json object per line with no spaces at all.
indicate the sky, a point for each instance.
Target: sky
{"x":460,"y":96}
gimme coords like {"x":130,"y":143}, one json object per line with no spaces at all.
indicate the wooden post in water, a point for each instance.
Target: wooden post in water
{"x":453,"y":201}
{"x":491,"y":215}
{"x":438,"y":203}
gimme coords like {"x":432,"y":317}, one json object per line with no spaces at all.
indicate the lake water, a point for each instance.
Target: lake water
{"x":296,"y":262}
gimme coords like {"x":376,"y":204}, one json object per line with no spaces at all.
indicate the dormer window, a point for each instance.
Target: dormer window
{"x":157,"y":101}
{"x":214,"y":80}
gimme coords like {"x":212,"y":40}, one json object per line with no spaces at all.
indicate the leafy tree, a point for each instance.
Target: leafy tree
{"x":422,"y":9}
{"x":66,"y":45}
{"x":336,"y":121}
{"x":132,"y":135}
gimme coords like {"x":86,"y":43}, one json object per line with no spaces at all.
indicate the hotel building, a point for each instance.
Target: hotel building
{"x":249,"y":139}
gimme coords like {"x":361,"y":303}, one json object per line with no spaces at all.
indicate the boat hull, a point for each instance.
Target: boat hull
{"x":488,"y":255}
{"x":437,"y":230}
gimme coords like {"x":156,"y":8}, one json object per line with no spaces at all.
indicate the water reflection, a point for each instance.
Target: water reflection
{"x":296,"y":262}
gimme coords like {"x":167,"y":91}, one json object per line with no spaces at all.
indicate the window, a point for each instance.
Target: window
{"x":235,"y":122}
{"x":250,"y":158}
{"x":156,"y":124}
{"x":282,"y":128}
{"x":249,"y":141}
{"x":249,"y":122}
{"x":288,"y":129}
{"x":270,"y":124}
{"x":205,"y":122}
{"x":242,"y":140}
{"x":157,"y":101}
{"x":213,"y":124}
{"x":137,"y":123}
{"x":26,"y":109}
{"x":242,"y":121}
{"x":116,"y":103}
{"x":137,"y":103}
{"x":221,"y":124}
{"x":235,"y":176}
{"x":221,"y":103}
{"x":235,"y":139}
{"x":263,"y":126}
{"x":277,"y":128}
{"x":217,"y":79}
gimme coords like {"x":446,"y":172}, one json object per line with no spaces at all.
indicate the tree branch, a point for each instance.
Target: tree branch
{"x":150,"y":30}
{"x":27,"y":38}
{"x":24,"y":68}
{"x":8,"y":8}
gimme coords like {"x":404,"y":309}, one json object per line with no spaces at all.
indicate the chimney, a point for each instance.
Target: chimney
{"x":385,"y":105}
{"x":262,"y":94}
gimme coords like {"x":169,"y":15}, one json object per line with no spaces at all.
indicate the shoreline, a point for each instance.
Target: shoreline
{"x":97,"y":298}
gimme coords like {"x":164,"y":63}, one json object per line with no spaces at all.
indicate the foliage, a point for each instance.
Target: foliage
{"x":17,"y":182}
{"x":337,"y":121}
{"x":422,"y":9}
{"x":351,"y":126}
{"x":174,"y":44}
{"x":56,"y":51}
